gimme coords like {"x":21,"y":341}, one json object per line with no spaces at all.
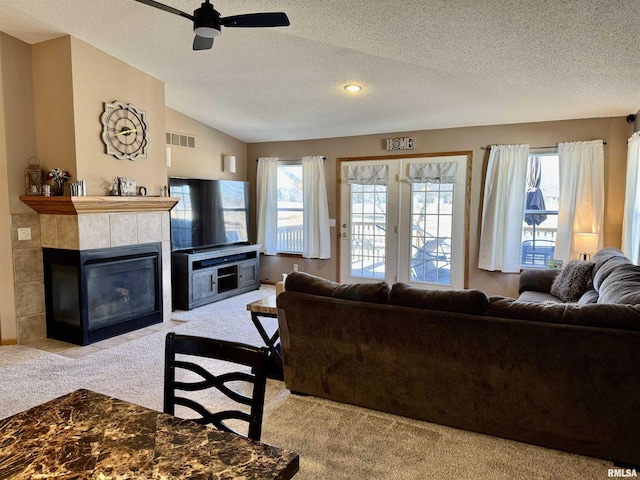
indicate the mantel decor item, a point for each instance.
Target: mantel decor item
{"x":124,"y":186}
{"x":33,"y":177}
{"x":125,"y":131}
{"x":78,"y":188}
{"x":59,"y":177}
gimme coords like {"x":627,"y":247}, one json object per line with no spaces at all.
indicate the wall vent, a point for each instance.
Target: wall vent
{"x":181,"y":140}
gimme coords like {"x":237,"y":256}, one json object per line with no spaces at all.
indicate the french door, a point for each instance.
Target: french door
{"x":404,"y":229}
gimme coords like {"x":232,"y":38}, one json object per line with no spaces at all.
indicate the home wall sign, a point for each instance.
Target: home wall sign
{"x":125,"y":131}
{"x":402,"y":143}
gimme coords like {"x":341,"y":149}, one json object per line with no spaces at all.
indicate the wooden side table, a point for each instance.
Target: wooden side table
{"x":266,"y":307}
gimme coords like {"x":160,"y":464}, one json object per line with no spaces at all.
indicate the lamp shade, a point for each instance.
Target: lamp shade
{"x":585,"y":242}
{"x":229,"y":164}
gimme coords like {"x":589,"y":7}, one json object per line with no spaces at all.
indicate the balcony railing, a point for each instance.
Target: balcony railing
{"x":537,"y":247}
{"x":290,"y":239}
{"x":538,"y":242}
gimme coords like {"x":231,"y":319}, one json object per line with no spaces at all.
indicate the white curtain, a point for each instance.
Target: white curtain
{"x":503,"y":208}
{"x":440,"y":172}
{"x":267,"y":202}
{"x":316,"y":237}
{"x":631,"y":222}
{"x":581,"y":206}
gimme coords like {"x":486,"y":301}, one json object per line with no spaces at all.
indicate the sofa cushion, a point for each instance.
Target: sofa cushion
{"x":572,"y":281}
{"x":302,"y":282}
{"x":537,"y":297}
{"x":591,"y":315}
{"x":537,"y":280}
{"x":602,"y":269}
{"x":590,"y":296}
{"x":306,"y":283}
{"x":607,"y":253}
{"x":622,"y":285}
{"x":473,"y":302}
{"x":376,"y":292}
{"x":505,"y":307}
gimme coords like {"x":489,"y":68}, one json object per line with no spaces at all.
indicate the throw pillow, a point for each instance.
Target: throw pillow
{"x":572,"y":281}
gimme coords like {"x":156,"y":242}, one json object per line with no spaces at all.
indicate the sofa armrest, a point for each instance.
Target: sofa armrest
{"x":537,"y":280}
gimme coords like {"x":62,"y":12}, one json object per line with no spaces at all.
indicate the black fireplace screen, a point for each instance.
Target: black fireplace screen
{"x":96,"y":294}
{"x":118,"y":291}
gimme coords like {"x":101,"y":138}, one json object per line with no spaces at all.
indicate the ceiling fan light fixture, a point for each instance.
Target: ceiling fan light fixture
{"x":207,"y":22}
{"x":352,"y":88}
{"x":206,"y":32}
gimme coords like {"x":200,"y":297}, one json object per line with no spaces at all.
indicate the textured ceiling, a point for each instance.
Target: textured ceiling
{"x":423,"y":64}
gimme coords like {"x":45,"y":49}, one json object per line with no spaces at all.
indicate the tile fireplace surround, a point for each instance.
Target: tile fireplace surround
{"x":84,"y":223}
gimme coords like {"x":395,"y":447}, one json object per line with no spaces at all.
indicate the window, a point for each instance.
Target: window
{"x":580,"y":204}
{"x":293,"y":211}
{"x":542,"y":196}
{"x":290,"y":208}
{"x":431,"y":232}
{"x":368,"y":230}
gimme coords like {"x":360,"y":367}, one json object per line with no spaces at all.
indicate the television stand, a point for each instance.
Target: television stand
{"x":207,"y":276}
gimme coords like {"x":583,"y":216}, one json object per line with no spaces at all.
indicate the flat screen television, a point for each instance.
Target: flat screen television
{"x":210,"y":213}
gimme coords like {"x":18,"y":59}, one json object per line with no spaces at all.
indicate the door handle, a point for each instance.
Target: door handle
{"x":345,"y":235}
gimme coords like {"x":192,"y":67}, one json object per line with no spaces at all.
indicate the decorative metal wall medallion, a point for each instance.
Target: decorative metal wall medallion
{"x":125,"y":131}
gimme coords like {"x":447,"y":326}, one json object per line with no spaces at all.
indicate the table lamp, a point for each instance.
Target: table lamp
{"x":586,"y":244}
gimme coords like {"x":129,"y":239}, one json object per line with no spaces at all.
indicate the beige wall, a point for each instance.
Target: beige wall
{"x":17,"y":144}
{"x":72,"y":82}
{"x":99,"y":78}
{"x":614,"y":131}
{"x":205,"y":161}
{"x":53,"y":97}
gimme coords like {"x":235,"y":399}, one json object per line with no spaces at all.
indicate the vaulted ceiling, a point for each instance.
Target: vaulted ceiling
{"x":422,"y":64}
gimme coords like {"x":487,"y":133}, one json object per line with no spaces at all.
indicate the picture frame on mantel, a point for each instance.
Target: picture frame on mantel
{"x":125,"y":187}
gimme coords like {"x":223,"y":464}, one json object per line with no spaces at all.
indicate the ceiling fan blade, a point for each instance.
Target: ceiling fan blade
{"x":202,"y":43}
{"x":166,"y":8}
{"x":267,"y":19}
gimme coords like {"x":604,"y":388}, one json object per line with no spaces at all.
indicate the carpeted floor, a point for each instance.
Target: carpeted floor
{"x":335,"y":441}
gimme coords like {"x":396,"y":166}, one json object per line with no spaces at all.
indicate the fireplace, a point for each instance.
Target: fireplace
{"x":92,"y":295}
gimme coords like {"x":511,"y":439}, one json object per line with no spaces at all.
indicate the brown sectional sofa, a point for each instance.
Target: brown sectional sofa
{"x":560,"y":375}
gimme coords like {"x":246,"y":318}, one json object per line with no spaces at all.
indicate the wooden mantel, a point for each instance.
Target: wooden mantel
{"x":67,"y":205}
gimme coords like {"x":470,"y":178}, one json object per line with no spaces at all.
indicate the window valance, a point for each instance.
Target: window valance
{"x":368,"y":175}
{"x":440,"y":172}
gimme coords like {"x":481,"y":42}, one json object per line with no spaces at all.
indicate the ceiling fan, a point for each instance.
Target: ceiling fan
{"x":207,"y":21}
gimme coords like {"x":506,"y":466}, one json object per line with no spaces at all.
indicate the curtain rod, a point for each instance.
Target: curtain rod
{"x":533,"y":148}
{"x":291,"y":159}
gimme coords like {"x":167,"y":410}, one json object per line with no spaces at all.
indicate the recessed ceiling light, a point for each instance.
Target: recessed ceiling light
{"x":352,"y":88}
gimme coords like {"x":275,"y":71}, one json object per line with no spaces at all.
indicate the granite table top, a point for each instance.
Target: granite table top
{"x":266,"y":306}
{"x":86,"y":435}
